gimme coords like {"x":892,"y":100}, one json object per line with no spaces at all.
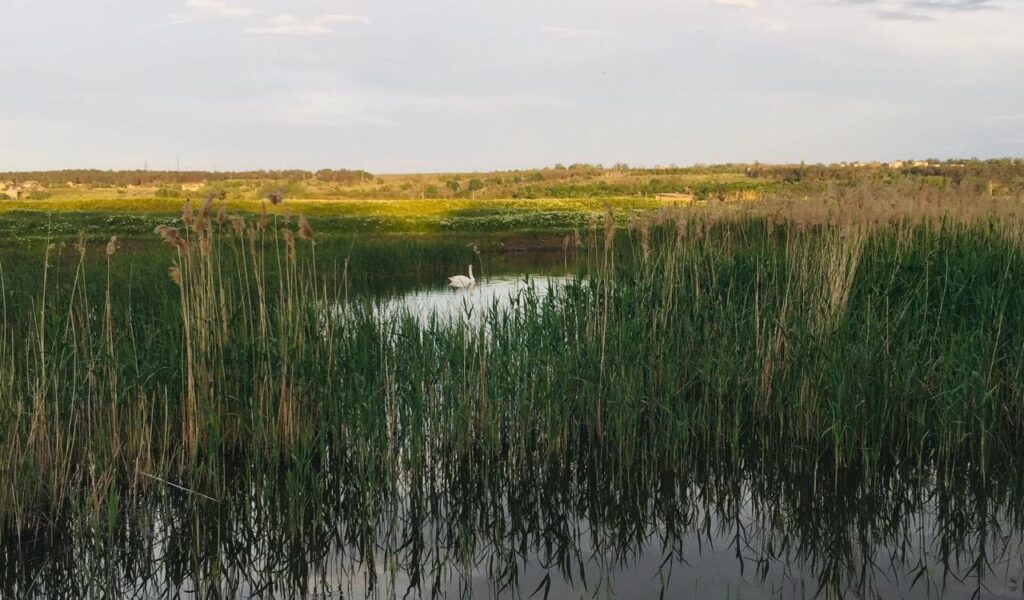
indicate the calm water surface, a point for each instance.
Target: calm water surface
{"x":447,"y":304}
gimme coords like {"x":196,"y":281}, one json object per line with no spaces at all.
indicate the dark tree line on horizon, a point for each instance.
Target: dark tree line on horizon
{"x":583,"y":179}
{"x":156,"y":178}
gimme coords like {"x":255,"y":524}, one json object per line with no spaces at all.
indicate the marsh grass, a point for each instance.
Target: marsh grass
{"x":855,"y":349}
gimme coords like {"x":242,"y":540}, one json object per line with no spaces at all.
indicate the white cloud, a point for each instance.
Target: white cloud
{"x":736,"y":3}
{"x":196,"y":10}
{"x":572,"y":32}
{"x":320,"y":25}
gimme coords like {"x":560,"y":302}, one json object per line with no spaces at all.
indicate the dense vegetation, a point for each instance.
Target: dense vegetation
{"x":862,"y":347}
{"x":716,"y":182}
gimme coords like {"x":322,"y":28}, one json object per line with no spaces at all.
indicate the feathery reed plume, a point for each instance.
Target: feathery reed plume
{"x":222,"y":214}
{"x":238,"y":224}
{"x":203,"y":217}
{"x":305,"y":229}
{"x":175,"y":273}
{"x":206,"y":208}
{"x":263,"y":216}
{"x":289,"y":241}
{"x":80,"y":244}
{"x":170,"y":236}
{"x":186,"y":212}
{"x":112,"y":246}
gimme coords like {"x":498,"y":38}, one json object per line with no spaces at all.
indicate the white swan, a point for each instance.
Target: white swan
{"x":461,"y":281}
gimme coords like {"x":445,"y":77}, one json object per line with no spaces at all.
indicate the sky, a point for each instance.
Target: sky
{"x":462,"y":85}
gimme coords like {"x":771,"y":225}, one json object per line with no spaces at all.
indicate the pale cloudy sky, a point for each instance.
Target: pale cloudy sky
{"x":427,"y":85}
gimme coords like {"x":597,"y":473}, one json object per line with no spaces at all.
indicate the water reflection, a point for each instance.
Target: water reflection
{"x":446,"y":304}
{"x":772,"y":530}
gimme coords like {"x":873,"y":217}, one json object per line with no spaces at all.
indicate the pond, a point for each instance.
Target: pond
{"x":468,"y":305}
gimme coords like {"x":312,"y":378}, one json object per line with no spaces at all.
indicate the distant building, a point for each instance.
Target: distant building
{"x":12,"y":193}
{"x":919,"y":163}
{"x":896,"y":164}
{"x":191,"y":187}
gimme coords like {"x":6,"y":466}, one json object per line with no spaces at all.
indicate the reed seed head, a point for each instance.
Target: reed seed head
{"x":206,"y":208}
{"x":305,"y":229}
{"x":238,"y":224}
{"x":289,"y":242}
{"x":170,"y":236}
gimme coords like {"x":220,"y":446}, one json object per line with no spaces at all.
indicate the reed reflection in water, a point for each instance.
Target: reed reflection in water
{"x":766,"y":531}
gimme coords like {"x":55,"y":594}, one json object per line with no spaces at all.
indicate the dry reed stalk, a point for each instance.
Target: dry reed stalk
{"x":289,"y":243}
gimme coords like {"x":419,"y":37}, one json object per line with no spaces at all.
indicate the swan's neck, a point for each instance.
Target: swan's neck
{"x":471,"y":271}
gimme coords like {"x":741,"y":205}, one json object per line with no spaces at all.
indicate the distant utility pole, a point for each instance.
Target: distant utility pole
{"x":177,"y":163}
{"x":145,"y":164}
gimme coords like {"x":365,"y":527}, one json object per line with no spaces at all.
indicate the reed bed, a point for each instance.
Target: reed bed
{"x":835,"y":340}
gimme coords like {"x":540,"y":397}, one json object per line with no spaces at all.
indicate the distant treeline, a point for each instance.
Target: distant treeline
{"x":1003,"y":170}
{"x":157,"y":178}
